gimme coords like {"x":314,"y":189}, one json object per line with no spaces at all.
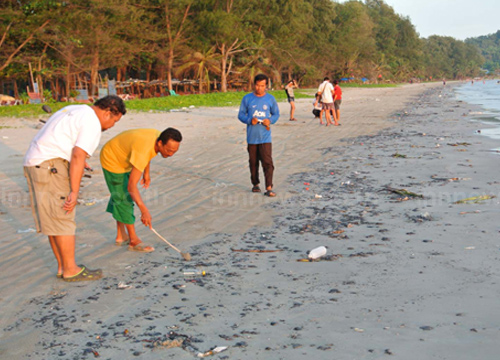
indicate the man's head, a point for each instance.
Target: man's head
{"x":168,"y":142}
{"x":326,"y":78}
{"x":109,"y":110}
{"x":260,"y":84}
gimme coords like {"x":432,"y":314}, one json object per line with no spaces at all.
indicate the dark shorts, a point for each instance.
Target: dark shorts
{"x":291,"y":99}
{"x":327,"y":106}
{"x":336,"y":104}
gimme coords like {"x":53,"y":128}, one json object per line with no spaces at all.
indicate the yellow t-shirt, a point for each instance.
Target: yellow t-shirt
{"x":130,"y":148}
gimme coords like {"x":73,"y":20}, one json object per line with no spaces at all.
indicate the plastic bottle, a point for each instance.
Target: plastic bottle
{"x":194,"y":272}
{"x":317,"y":253}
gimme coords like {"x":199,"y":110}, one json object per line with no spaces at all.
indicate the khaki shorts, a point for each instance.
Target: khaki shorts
{"x":48,"y":191}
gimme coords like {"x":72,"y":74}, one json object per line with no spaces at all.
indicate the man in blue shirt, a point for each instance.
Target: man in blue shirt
{"x":259,"y":110}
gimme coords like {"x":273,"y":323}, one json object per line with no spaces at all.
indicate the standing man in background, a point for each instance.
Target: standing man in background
{"x":259,"y":110}
{"x":53,"y":167}
{"x":326,"y":91}
{"x":291,"y":97}
{"x":337,"y":100}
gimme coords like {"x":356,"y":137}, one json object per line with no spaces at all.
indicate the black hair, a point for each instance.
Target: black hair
{"x":291,"y":81}
{"x":335,"y":82}
{"x":170,"y":134}
{"x":261,"y":77}
{"x":112,"y":103}
{"x":326,"y":78}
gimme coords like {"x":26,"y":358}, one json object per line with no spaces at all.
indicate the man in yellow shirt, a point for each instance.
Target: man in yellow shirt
{"x":125,"y":159}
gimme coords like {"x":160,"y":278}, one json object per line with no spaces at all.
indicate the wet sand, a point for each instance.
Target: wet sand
{"x":412,"y":278}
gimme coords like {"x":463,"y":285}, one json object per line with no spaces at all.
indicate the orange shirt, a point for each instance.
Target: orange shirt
{"x":337,"y":92}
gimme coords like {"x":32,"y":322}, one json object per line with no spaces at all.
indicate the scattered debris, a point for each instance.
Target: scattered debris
{"x":403,"y":192}
{"x":317,"y":253}
{"x":214,"y":351}
{"x":122,"y":286}
{"x":256,"y":250}
{"x":460,"y":144}
{"x":29,"y":230}
{"x":475,"y":199}
{"x":396,"y":155}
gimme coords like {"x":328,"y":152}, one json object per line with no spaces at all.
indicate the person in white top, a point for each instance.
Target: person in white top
{"x":325,"y":89}
{"x":53,"y":167}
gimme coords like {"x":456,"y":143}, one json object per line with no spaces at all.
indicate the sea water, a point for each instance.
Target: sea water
{"x":486,"y":94}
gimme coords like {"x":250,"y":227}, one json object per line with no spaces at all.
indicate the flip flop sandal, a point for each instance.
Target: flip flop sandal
{"x":85,"y":275}
{"x":256,"y":189}
{"x":270,"y":193}
{"x":60,"y":275}
{"x":140,"y":248}
{"x":122,"y":243}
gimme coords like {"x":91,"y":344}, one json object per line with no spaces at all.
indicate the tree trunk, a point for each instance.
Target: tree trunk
{"x":94,"y":74}
{"x":170,"y":65}
{"x":68,"y":82}
{"x":16,"y":90}
{"x":223,"y":76}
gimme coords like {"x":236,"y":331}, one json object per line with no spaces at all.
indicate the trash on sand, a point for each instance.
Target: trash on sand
{"x":397,"y":155}
{"x":123,"y":286}
{"x":469,"y":247}
{"x":214,"y":351}
{"x":317,"y":253}
{"x":459,"y":144}
{"x":358,"y":330}
{"x":475,"y":199}
{"x":29,"y":230}
{"x":470,"y":212}
{"x":332,"y":257}
{"x":256,"y":250}
{"x":318,"y":196}
{"x":306,"y":183}
{"x":194,"y":272}
{"x":404,"y":192}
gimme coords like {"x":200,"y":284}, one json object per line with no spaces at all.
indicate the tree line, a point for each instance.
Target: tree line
{"x":490,"y":49}
{"x":60,"y":43}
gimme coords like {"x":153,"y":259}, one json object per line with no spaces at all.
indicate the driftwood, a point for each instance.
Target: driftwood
{"x":397,"y":155}
{"x":256,"y":250}
{"x":475,"y":199}
{"x":460,"y":144}
{"x":404,"y":192}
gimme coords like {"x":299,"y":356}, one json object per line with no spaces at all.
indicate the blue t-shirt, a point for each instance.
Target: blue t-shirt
{"x":260,"y":107}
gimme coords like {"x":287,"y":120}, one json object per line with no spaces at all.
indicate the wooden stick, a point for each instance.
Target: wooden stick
{"x":186,"y":256}
{"x":256,"y":250}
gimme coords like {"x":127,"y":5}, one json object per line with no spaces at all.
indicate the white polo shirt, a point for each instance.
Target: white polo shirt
{"x":326,"y":89}
{"x":74,"y":125}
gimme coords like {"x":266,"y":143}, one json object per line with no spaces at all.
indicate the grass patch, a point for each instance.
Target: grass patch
{"x":28,"y":111}
{"x":168,"y":103}
{"x":354,"y":85}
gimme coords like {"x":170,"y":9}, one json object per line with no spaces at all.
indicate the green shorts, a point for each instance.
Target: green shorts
{"x":120,"y":203}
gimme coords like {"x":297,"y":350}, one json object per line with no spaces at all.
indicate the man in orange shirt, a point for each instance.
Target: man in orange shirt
{"x":125,"y":159}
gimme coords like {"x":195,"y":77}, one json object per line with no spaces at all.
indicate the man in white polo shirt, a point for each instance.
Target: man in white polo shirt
{"x":53,"y":167}
{"x":326,"y":91}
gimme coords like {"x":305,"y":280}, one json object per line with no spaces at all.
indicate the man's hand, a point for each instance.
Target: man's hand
{"x":88,"y":167}
{"x":267,"y":124}
{"x":146,"y":218}
{"x":255,"y":121}
{"x":145,"y":181}
{"x":70,"y":202}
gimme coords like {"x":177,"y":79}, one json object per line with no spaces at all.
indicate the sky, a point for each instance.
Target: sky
{"x":460,"y":19}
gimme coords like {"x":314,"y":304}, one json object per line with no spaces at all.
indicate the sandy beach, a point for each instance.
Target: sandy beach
{"x":405,"y":277}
